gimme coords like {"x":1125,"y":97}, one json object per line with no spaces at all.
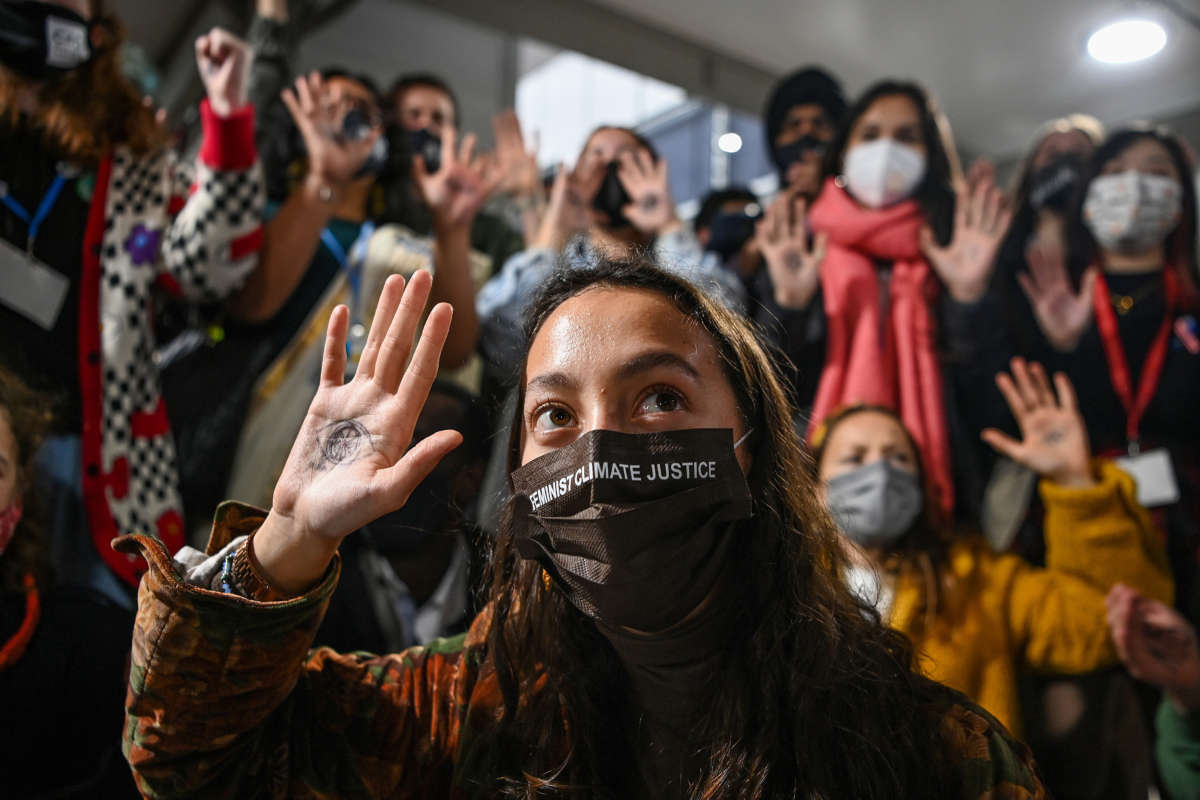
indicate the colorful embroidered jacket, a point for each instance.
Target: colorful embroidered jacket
{"x":225,"y":701}
{"x":195,"y":229}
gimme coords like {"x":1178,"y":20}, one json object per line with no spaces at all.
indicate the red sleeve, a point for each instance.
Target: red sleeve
{"x":228,"y":142}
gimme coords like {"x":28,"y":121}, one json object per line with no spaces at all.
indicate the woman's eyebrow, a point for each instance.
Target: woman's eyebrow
{"x":550,"y":380}
{"x":652,"y":360}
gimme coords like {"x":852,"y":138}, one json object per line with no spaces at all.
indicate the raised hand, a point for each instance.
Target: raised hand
{"x":1157,"y":645}
{"x":1062,"y":313}
{"x":569,"y":211}
{"x":651,"y":209}
{"x":516,"y":167}
{"x":352,"y":462}
{"x":981,"y":218}
{"x":1054,"y":440}
{"x":462,"y":184}
{"x":794,"y":265}
{"x":224,"y":63}
{"x":332,"y":159}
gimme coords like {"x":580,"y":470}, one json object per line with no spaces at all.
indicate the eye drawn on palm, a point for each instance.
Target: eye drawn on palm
{"x":1054,"y":441}
{"x":352,"y":462}
{"x":462,"y":184}
{"x":981,"y":218}
{"x":650,"y":209}
{"x":331,"y":157}
{"x":1062,"y":313}
{"x":793,"y":264}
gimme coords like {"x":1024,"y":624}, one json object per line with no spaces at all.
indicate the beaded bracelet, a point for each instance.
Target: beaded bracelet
{"x":227,"y":574}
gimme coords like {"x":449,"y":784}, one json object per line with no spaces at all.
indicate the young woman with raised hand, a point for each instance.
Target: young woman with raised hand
{"x":666,"y":614}
{"x":1120,"y":310}
{"x":976,"y":617}
{"x":894,"y":227}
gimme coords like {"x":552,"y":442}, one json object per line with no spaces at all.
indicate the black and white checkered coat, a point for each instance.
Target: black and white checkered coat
{"x":194,"y":228}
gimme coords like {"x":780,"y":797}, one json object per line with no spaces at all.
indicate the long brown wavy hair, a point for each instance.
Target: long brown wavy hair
{"x":25,"y":413}
{"x":91,"y":109}
{"x":815,"y":697}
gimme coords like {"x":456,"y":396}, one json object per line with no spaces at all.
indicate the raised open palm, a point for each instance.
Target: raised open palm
{"x":462,"y":184}
{"x":793,"y":264}
{"x":1054,"y":441}
{"x":331,"y":157}
{"x":352,"y":461}
{"x":981,"y":218}
{"x":1062,"y":313}
{"x":651,"y":209}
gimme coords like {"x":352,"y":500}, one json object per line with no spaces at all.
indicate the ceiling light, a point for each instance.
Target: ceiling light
{"x":1127,"y":41}
{"x":729,"y":143}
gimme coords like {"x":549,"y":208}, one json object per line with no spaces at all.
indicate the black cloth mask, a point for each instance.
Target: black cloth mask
{"x":785,"y":155}
{"x":634,"y":528}
{"x":357,"y":126}
{"x":728,"y":233}
{"x":611,"y":197}
{"x":1053,"y":185}
{"x":42,"y":41}
{"x":427,"y":145}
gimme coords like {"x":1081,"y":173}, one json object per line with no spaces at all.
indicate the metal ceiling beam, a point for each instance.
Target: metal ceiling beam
{"x":602,"y":33}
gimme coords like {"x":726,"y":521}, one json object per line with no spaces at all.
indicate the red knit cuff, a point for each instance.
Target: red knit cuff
{"x":228,"y":142}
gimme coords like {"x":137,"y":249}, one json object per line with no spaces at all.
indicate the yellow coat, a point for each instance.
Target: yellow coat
{"x":996,"y":612}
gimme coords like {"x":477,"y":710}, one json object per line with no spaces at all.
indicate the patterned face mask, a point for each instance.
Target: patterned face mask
{"x":634,"y":528}
{"x":1131,"y":212}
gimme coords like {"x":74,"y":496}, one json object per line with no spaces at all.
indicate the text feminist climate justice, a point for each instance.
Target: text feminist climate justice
{"x":606,"y":470}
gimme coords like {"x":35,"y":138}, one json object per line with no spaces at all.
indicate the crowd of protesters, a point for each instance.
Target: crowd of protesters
{"x":341,"y":457}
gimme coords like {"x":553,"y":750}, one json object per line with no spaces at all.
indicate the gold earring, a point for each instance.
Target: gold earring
{"x":546,"y":580}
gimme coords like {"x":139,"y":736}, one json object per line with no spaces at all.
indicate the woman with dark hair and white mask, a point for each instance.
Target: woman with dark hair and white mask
{"x":976,"y":617}
{"x":665,"y":618}
{"x":895,"y":226}
{"x":1119,"y":310}
{"x":985,"y":328}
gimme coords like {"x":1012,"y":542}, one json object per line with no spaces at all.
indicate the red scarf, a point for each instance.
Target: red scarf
{"x":882,"y":356}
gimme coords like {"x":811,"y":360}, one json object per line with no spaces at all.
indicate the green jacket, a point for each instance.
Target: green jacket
{"x":1178,"y":751}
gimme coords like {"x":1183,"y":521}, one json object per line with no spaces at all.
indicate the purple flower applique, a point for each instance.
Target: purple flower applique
{"x":143,"y":244}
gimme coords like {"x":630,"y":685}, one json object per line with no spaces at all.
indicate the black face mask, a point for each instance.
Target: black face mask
{"x":786,"y":155}
{"x":428,"y":146}
{"x":357,"y":126}
{"x":729,"y":233}
{"x":41,"y":41}
{"x":1053,"y":185}
{"x":634,"y":528}
{"x":612,"y":198}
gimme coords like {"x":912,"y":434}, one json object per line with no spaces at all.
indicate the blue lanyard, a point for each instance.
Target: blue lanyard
{"x":43,"y":210}
{"x":352,"y":262}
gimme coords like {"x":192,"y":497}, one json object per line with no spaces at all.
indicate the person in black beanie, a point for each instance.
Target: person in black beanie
{"x":802,"y":114}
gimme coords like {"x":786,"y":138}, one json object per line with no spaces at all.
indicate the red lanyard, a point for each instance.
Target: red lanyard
{"x":1118,"y":363}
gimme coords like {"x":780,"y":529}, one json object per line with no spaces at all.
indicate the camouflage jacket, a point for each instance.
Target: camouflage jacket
{"x":227,"y":701}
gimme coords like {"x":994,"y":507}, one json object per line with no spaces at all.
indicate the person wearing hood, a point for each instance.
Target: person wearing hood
{"x":802,"y":115}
